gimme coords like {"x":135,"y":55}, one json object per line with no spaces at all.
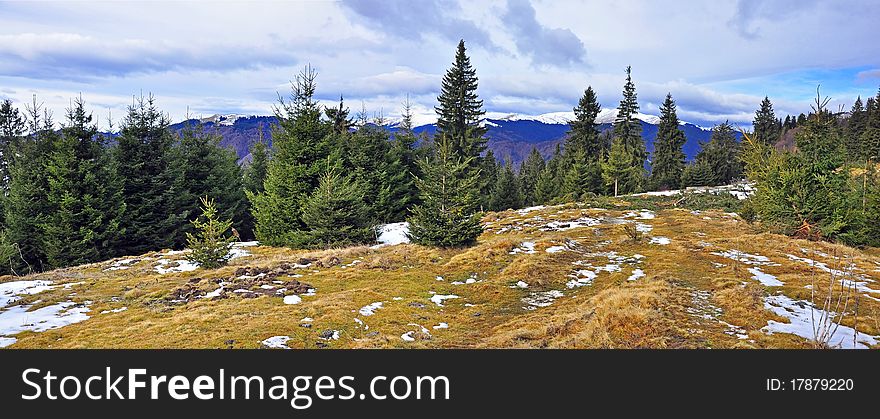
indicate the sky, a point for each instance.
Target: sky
{"x":718,"y":58}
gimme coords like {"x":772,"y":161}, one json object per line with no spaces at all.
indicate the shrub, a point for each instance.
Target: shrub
{"x":210,"y":246}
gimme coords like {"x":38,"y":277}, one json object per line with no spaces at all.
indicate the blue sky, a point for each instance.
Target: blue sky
{"x":717,"y":58}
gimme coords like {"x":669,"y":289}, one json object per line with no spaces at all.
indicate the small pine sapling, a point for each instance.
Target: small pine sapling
{"x":210,"y":246}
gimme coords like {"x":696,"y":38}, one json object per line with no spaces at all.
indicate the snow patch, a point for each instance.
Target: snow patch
{"x":637,"y":273}
{"x":660,"y":240}
{"x":438,"y":298}
{"x":370,"y":309}
{"x":801,"y":315}
{"x":765,"y":279}
{"x":391,"y":234}
{"x":276,"y":342}
{"x":541,"y":299}
{"x":292,"y":299}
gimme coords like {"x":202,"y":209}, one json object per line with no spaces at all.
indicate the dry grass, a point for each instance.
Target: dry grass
{"x":688,"y":298}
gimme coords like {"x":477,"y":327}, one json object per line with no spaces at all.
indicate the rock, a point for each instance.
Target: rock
{"x":329,"y":262}
{"x":321,"y":345}
{"x":306,"y":325}
{"x":373,"y":333}
{"x":416,"y":305}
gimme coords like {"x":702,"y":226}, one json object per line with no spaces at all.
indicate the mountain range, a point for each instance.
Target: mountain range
{"x":511,"y":137}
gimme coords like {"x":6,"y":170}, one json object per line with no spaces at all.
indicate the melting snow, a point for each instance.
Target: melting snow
{"x":527,"y":210}
{"x":18,"y":319}
{"x":765,"y":279}
{"x":555,"y":249}
{"x":438,"y":299}
{"x":637,"y":273}
{"x":182,"y":266}
{"x":11,"y":291}
{"x":391,"y":234}
{"x":746,"y":258}
{"x":801,"y":315}
{"x":292,"y":299}
{"x":522,"y":284}
{"x":541,"y":299}
{"x":441,"y":326}
{"x":276,"y":342}
{"x":660,"y":240}
{"x":524,"y":247}
{"x":115,"y":310}
{"x":581,"y":277}
{"x":370,"y":309}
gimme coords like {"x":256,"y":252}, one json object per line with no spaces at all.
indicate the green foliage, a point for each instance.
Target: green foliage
{"x":298,"y":159}
{"x":584,"y":134}
{"x":12,"y":126}
{"x":447,"y":216}
{"x":200,"y":166}
{"x":627,"y":128}
{"x":209,"y":246}
{"x":255,"y":170}
{"x":339,"y":119}
{"x":698,"y":173}
{"x":398,"y":192}
{"x":669,"y":157}
{"x":618,"y":172}
{"x":506,"y":193}
{"x":548,"y":186}
{"x":767,"y":127}
{"x":722,"y":153}
{"x":143,"y":151}
{"x":529,"y":172}
{"x":804,"y":193}
{"x":459,"y":110}
{"x":582,"y":177}
{"x":335,"y":213}
{"x":27,"y":204}
{"x":85,"y":195}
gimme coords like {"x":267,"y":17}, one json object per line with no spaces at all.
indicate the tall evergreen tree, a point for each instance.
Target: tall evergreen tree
{"x":669,"y":157}
{"x":489,"y":170}
{"x":255,"y":170}
{"x":12,"y":127}
{"x":855,"y":127}
{"x":447,"y":215}
{"x":871,"y":136}
{"x":85,"y":195}
{"x":584,"y":132}
{"x":459,"y":110}
{"x":27,"y":205}
{"x":766,"y":126}
{"x":298,"y":160}
{"x":143,"y":156}
{"x":506,"y":193}
{"x":627,"y":127}
{"x":202,"y":167}
{"x":529,"y":172}
{"x":722,"y":153}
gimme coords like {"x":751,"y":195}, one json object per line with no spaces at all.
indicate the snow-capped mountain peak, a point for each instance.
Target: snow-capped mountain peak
{"x":223,"y":119}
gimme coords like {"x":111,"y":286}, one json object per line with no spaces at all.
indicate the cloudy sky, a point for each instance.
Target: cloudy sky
{"x":717,"y":58}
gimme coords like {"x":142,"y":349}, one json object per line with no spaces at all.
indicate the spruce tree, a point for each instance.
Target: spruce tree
{"x":529,"y":172}
{"x":489,"y":170}
{"x":447,"y":215}
{"x":584,"y":133}
{"x":399,"y":192}
{"x":582,"y":176}
{"x":298,"y":160}
{"x":209,"y":243}
{"x":335,"y":213}
{"x":142,"y":158}
{"x":871,"y":136}
{"x":459,"y":110}
{"x":766,"y":126}
{"x":549,"y":184}
{"x":628,"y":128}
{"x":254,"y":172}
{"x":669,"y":157}
{"x":12,"y":127}
{"x":85,"y":195}
{"x":27,"y":205}
{"x":855,"y":127}
{"x":722,"y":153}
{"x":698,"y":173}
{"x":619,"y":174}
{"x":339,"y":120}
{"x":201,"y":167}
{"x":506,"y":193}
